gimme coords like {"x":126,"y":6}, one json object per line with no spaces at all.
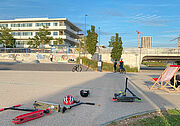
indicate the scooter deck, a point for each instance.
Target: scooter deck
{"x":45,"y":105}
{"x":30,"y":116}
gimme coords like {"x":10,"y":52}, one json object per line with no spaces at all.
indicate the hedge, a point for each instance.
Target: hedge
{"x":105,"y":66}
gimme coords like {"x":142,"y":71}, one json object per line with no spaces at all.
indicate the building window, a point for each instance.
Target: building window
{"x":42,"y":24}
{"x":18,"y":34}
{"x":13,"y":33}
{"x":27,"y":33}
{"x":19,"y":42}
{"x":22,"y":25}
{"x":3,"y":25}
{"x":48,"y":24}
{"x":55,"y":33}
{"x":55,"y":24}
{"x":22,"y":33}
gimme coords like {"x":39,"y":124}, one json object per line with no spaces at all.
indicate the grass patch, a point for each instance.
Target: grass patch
{"x":105,"y":66}
{"x":155,"y":64}
{"x":169,"y":117}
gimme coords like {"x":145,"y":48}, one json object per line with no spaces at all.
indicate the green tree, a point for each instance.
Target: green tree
{"x":12,"y":43}
{"x":113,"y":40}
{"x":116,"y":43}
{"x":41,"y":38}
{"x":34,"y":42}
{"x":91,"y":40}
{"x":6,"y":38}
{"x":82,"y":45}
{"x":58,"y":41}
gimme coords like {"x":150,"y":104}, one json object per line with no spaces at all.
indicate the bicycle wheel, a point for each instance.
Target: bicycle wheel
{"x":120,"y":71}
{"x":124,"y":70}
{"x":79,"y":69}
{"x":74,"y":69}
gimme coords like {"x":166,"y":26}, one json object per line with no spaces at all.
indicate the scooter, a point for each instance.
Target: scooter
{"x":121,"y":97}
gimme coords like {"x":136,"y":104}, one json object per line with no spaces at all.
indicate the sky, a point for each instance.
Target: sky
{"x":157,"y":18}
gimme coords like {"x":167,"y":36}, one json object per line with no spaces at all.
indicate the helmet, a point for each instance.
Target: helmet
{"x":84,"y":93}
{"x":68,"y":100}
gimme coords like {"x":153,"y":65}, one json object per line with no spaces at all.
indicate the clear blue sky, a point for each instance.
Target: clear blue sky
{"x":157,"y":18}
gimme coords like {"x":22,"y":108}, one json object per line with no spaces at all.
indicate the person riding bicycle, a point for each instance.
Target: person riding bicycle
{"x":121,"y":63}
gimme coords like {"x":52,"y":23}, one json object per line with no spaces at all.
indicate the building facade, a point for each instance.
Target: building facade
{"x":23,"y":29}
{"x":146,"y":42}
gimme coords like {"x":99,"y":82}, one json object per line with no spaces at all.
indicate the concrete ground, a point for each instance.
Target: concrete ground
{"x":24,"y":87}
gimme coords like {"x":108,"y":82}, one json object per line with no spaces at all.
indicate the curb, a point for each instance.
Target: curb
{"x":131,"y":115}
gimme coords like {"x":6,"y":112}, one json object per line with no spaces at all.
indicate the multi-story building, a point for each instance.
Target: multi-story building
{"x":146,"y":42}
{"x":23,"y":29}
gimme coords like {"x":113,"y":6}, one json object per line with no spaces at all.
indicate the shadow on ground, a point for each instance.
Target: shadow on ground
{"x":39,"y":67}
{"x":101,"y":92}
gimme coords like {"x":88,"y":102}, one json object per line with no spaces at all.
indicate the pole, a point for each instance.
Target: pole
{"x":99,"y":40}
{"x":79,"y":52}
{"x":85,"y":33}
{"x":138,"y":40}
{"x":140,"y":58}
{"x":99,"y":59}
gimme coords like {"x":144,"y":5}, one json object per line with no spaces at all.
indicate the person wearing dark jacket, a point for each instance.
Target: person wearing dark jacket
{"x":115,"y":65}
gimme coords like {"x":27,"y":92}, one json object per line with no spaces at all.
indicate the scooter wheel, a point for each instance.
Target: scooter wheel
{"x":114,"y":99}
{"x":48,"y":111}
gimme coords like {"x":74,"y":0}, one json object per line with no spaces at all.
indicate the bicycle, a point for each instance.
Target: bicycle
{"x":123,"y":70}
{"x":77,"y":68}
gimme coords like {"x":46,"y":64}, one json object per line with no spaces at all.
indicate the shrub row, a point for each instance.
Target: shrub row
{"x":105,"y":66}
{"x":155,"y":64}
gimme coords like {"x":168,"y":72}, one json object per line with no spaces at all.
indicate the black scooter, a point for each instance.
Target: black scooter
{"x":121,"y":97}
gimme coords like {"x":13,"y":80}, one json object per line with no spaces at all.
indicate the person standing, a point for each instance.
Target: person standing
{"x":121,"y":63}
{"x":115,"y":65}
{"x":51,"y":57}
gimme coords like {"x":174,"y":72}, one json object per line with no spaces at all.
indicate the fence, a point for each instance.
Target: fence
{"x":30,"y":50}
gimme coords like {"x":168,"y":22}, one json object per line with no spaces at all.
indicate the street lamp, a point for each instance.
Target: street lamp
{"x":85,"y":31}
{"x":79,"y":49}
{"x":99,"y":46}
{"x":99,"y":59}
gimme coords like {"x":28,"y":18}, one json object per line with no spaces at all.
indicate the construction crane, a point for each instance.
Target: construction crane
{"x":178,"y":40}
{"x":138,"y":36}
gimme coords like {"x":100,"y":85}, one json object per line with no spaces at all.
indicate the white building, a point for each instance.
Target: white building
{"x":23,"y":29}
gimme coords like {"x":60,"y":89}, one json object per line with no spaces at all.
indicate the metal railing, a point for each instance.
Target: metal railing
{"x":152,"y":50}
{"x":31,"y":50}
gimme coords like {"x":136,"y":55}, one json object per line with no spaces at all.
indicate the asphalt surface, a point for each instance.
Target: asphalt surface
{"x":24,"y":87}
{"x":39,"y":67}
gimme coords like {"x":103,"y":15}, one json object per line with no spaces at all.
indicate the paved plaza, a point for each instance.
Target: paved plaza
{"x":24,"y":87}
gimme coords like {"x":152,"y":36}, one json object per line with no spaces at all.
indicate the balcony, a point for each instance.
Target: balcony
{"x":71,"y":39}
{"x":69,"y":29}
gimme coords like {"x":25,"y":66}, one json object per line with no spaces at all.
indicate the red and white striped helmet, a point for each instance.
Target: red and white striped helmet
{"x":68,"y":100}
